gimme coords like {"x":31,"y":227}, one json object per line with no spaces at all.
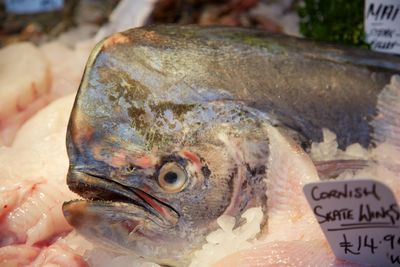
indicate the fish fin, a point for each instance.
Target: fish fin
{"x":289,"y":169}
{"x":386,"y":125}
{"x":333,"y":168}
{"x":285,"y":253}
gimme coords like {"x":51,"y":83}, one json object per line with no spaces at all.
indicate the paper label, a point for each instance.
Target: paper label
{"x":33,"y":6}
{"x":360,"y":219}
{"x":382,"y":25}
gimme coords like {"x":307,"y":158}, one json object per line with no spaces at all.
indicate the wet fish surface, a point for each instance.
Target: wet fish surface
{"x":170,"y":128}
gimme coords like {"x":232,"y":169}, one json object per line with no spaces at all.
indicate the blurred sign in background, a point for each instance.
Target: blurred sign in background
{"x":33,"y":6}
{"x":382,"y":25}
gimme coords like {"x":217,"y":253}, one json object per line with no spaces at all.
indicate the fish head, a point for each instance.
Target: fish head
{"x":161,"y":197}
{"x":156,"y":175}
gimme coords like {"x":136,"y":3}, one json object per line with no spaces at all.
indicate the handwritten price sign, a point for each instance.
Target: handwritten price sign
{"x":360,"y":219}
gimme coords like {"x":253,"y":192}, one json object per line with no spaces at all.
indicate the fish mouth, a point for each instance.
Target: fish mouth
{"x":97,"y":189}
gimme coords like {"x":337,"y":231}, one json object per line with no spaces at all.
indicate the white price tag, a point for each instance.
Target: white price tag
{"x":382,"y":25}
{"x":360,"y":219}
{"x":33,"y":6}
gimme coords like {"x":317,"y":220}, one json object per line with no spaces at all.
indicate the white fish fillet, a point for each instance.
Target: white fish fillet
{"x":31,"y":77}
{"x":290,"y":168}
{"x":33,"y":187}
{"x":58,"y":254}
{"x":66,"y":65}
{"x":39,"y":147}
{"x":24,"y":82}
{"x":35,"y":211}
{"x":18,"y":255}
{"x":33,"y":170}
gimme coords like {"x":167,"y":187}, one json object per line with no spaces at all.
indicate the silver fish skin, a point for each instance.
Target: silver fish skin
{"x":169,"y":129}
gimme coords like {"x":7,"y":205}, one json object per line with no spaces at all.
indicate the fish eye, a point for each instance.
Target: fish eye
{"x":172,"y":178}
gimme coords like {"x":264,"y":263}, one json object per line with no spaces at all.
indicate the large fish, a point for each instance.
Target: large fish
{"x":171,"y":127}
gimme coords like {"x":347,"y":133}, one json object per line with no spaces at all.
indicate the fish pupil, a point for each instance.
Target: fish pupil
{"x":171,"y":177}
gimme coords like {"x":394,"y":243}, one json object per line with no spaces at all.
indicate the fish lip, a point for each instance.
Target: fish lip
{"x":96,"y":188}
